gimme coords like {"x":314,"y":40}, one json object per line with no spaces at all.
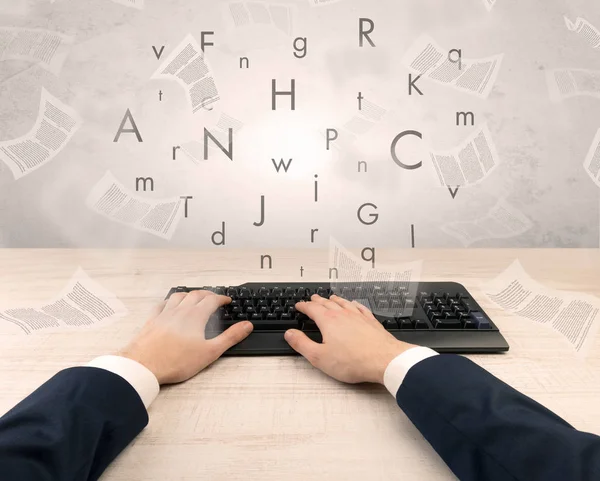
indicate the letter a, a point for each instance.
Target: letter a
{"x":133,"y":130}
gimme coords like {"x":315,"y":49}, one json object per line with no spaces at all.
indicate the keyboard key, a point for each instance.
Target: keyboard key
{"x":482,"y":321}
{"x":390,"y":324}
{"x":427,"y":304}
{"x":323,"y":292}
{"x":383,"y":304}
{"x":421,"y":324}
{"x":451,"y":323}
{"x":457,"y":309}
{"x":405,"y":323}
{"x":437,"y":295}
{"x":275,"y":293}
{"x":275,"y":325}
{"x":396,"y":305}
{"x":469,"y":305}
{"x":468,"y":323}
{"x":347,"y":292}
{"x":232,"y":292}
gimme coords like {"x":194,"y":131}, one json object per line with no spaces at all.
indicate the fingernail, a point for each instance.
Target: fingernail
{"x":248,"y":326}
{"x":288,"y":335}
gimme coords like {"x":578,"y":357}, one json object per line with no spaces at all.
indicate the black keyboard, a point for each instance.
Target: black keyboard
{"x":440,"y":315}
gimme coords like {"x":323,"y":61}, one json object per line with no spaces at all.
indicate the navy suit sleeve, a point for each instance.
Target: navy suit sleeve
{"x":485,"y":430}
{"x":71,"y":428}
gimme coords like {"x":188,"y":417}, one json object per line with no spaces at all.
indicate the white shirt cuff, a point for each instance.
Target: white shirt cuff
{"x":399,"y":366}
{"x":140,"y":377}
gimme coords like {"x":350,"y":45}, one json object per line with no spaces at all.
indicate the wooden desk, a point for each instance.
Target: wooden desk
{"x":276,"y":418}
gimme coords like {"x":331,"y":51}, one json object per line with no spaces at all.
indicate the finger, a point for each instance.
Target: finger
{"x":195,"y":297}
{"x":209,"y":304}
{"x":158,"y":308}
{"x":344,"y":303}
{"x":325,"y":302}
{"x":175,"y":300}
{"x":303,"y":345}
{"x":230,"y":337}
{"x":365,"y":311}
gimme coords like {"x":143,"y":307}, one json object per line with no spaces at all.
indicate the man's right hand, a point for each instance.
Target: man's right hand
{"x":355,"y":348}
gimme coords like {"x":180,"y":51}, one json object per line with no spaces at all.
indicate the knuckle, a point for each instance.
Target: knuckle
{"x":179,"y":296}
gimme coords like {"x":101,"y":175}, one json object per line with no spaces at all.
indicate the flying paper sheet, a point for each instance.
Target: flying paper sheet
{"x":55,"y":126}
{"x":586,"y":30}
{"x":354,"y":272}
{"x":245,"y":14}
{"x":489,"y":4}
{"x":139,"y":4}
{"x":14,"y":7}
{"x":187,"y":66}
{"x":501,"y":222}
{"x":574,"y":315}
{"x":473,"y":76}
{"x":567,"y":83}
{"x":469,"y":163}
{"x":44,"y":47}
{"x":83,"y":303}
{"x":592,"y":160}
{"x":322,"y":3}
{"x":112,"y":200}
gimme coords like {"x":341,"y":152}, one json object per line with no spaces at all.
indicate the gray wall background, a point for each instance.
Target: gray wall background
{"x":542,"y":144}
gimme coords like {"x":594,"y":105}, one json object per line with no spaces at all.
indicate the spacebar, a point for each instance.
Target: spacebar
{"x":265,"y":343}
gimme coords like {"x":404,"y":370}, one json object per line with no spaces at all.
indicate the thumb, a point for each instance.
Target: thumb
{"x":230,"y":337}
{"x":302,"y":344}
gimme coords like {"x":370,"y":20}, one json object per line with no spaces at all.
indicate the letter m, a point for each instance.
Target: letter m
{"x":465,"y":116}
{"x":145,"y":180}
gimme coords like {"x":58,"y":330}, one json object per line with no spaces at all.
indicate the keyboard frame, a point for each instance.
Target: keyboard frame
{"x":458,"y":341}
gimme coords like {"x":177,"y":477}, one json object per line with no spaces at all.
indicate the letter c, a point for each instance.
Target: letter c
{"x":393,"y":149}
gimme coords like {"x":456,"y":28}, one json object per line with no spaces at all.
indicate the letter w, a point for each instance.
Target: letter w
{"x":281,"y":163}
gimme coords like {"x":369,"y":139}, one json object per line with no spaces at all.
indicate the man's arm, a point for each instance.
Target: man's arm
{"x":71,"y":428}
{"x":76,"y":424}
{"x":482,"y":428}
